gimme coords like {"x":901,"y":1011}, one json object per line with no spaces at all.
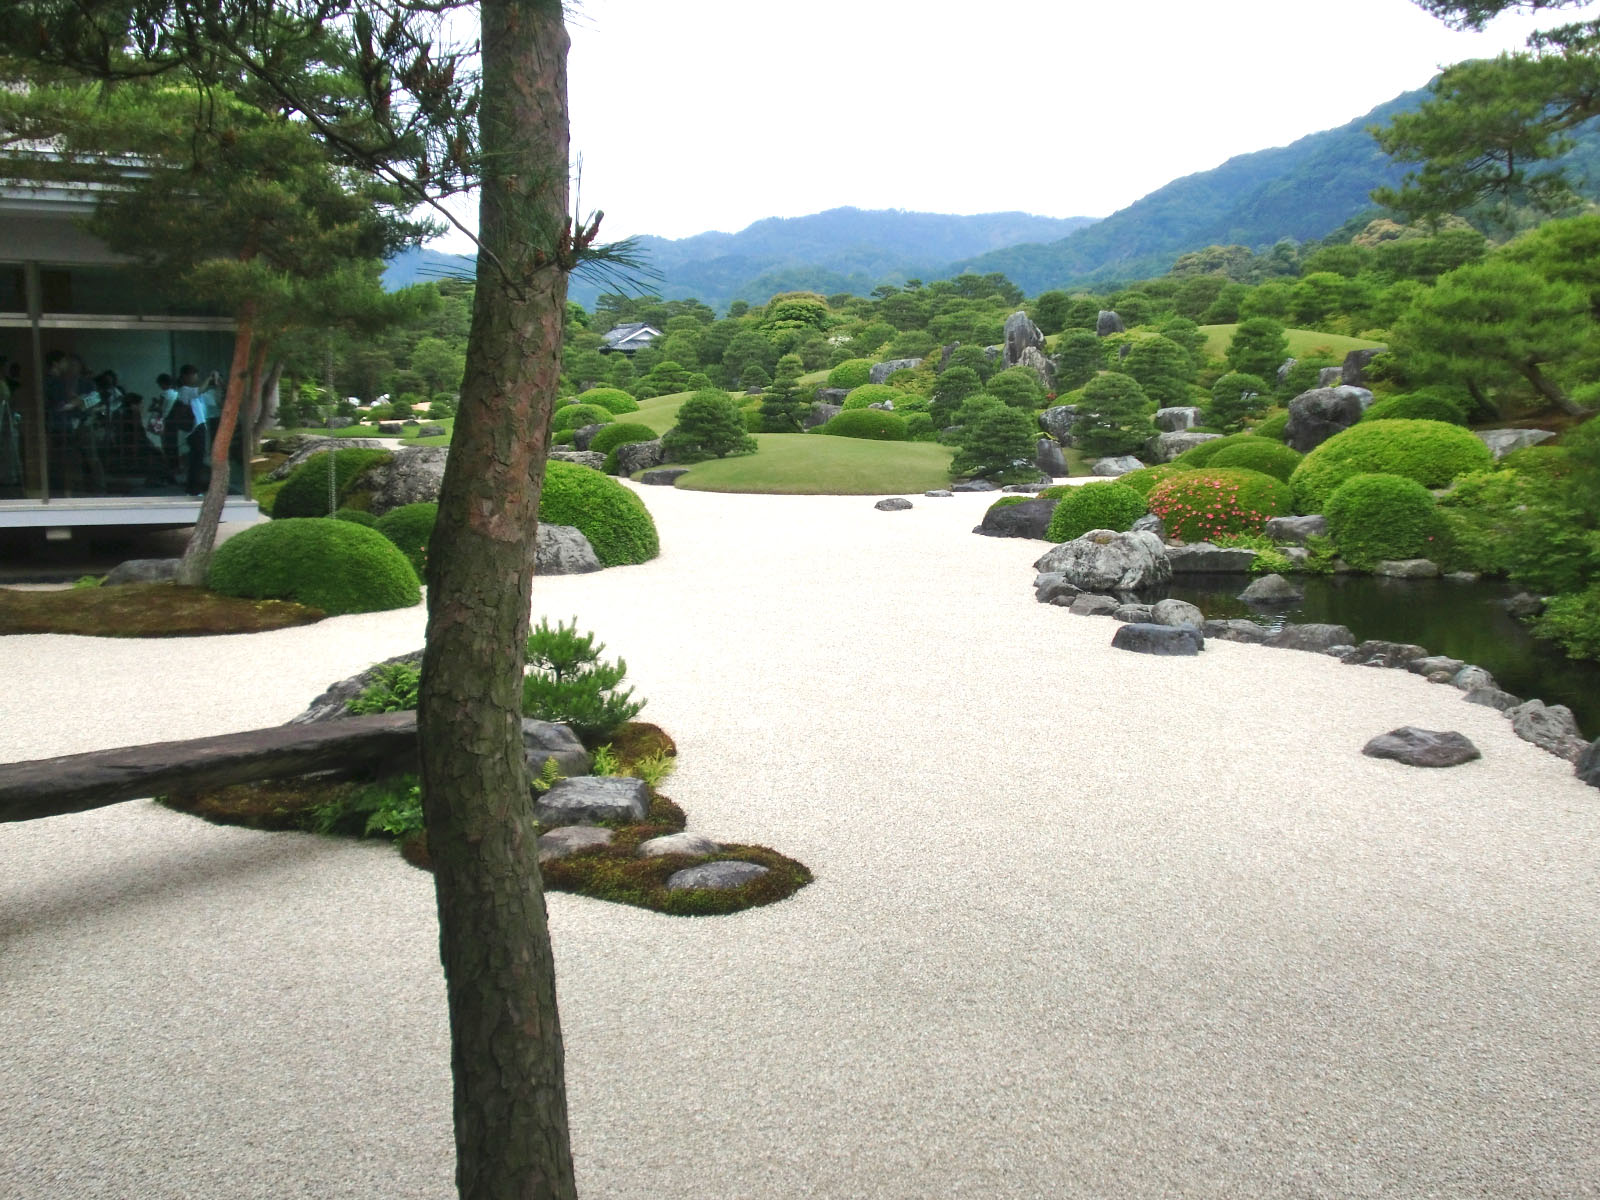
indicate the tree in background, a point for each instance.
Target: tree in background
{"x":1049,"y":311}
{"x":1113,"y":415}
{"x":995,"y":441}
{"x":782,"y":405}
{"x":1079,"y":356}
{"x":1018,"y":387}
{"x":950,"y":390}
{"x":1258,"y":347}
{"x":1235,"y":398}
{"x":440,"y":364}
{"x":710,"y":425}
{"x":1162,"y":367}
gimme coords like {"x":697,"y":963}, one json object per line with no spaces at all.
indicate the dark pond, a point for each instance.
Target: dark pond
{"x":1462,"y":620}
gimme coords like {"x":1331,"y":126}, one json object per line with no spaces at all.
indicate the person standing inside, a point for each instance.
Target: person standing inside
{"x":201,"y":400}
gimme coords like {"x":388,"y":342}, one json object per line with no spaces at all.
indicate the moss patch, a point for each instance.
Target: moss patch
{"x":640,"y":739}
{"x":145,"y":610}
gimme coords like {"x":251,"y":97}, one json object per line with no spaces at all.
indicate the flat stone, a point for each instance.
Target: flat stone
{"x":975,"y":485}
{"x":1422,"y":747}
{"x":1116,"y":465}
{"x":1271,"y":589}
{"x":1550,"y":727}
{"x":1407,"y":568}
{"x":1026,"y":489}
{"x":1089,"y":604}
{"x":583,"y":458}
{"x":1133,"y":612}
{"x":1376,"y":653}
{"x":543,"y":740}
{"x":569,"y":839}
{"x":1433,"y":664}
{"x":1176,"y":613}
{"x":939,"y":494}
{"x":1492,"y":697}
{"x":1502,"y":442}
{"x":1202,"y":558}
{"x":1237,"y":629}
{"x":1470,"y":679}
{"x":720,"y":876}
{"x":663,"y":476}
{"x":1296,"y":531}
{"x":893,"y":504}
{"x":1461,"y":576}
{"x":142,"y":570}
{"x":678,"y":843}
{"x":1172,"y":640}
{"x":1311,"y":636}
{"x":591,"y":798}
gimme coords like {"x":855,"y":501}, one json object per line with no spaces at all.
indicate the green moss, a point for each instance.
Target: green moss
{"x":305,"y":492}
{"x":1111,"y":505}
{"x":1377,"y":517}
{"x":359,"y":516}
{"x":1201,"y":505}
{"x":409,"y":527}
{"x":337,"y":566}
{"x":614,"y":519}
{"x":1431,"y":453}
{"x":1420,"y":406}
{"x":621,"y":433}
{"x":1272,"y":426}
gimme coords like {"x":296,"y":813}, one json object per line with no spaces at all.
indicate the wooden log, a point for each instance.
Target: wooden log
{"x":49,"y":787}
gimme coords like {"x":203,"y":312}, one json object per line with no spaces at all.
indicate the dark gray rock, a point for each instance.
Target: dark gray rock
{"x":582,"y":436}
{"x":1020,"y":334}
{"x":1422,"y":747}
{"x":1407,"y":568}
{"x":1312,"y":637}
{"x":1176,"y":612}
{"x":1151,"y":524}
{"x":1354,"y":372}
{"x":1058,"y":422}
{"x":1376,"y":653}
{"x":1471,"y":678}
{"x":308,"y":446}
{"x":1052,"y":586}
{"x":432,"y":429}
{"x":1134,"y":612}
{"x":1296,"y":531}
{"x":1287,"y":365}
{"x":975,"y":485}
{"x":1525,"y":604}
{"x":1159,"y":639}
{"x":338,"y":423}
{"x":1317,"y":415}
{"x":1030,"y":519}
{"x":831,"y":396}
{"x":391,"y":427}
{"x":1116,"y":465}
{"x":1165,"y":447}
{"x":1587,"y":768}
{"x":939,"y":494}
{"x":587,"y":799}
{"x":634,"y":457}
{"x":1492,"y":697}
{"x":563,"y":550}
{"x":412,"y":476}
{"x":1103,"y":560}
{"x":1502,"y":442}
{"x":569,"y":839}
{"x":1330,"y":377}
{"x":1433,"y":664}
{"x":720,"y":876}
{"x":1089,"y":604}
{"x":893,"y":504}
{"x":663,"y":476}
{"x":583,"y":458}
{"x":1202,"y":558}
{"x":1108,"y":323}
{"x":142,"y":570}
{"x":1236,"y":630}
{"x":678,"y":843}
{"x":1049,"y":459}
{"x":1550,"y":727}
{"x":820,"y":414}
{"x":334,"y":703}
{"x":880,"y":372}
{"x":544,"y":740}
{"x":1271,"y":589}
{"x":1176,"y":420}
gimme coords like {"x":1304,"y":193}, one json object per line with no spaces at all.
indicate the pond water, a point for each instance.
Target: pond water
{"x":1462,"y":620}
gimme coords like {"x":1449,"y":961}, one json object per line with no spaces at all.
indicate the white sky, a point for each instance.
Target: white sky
{"x":711,"y":114}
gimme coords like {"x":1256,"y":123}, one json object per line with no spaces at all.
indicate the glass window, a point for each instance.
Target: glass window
{"x":13,"y":292}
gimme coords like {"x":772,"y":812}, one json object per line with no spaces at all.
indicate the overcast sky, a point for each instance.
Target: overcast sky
{"x":711,"y":114}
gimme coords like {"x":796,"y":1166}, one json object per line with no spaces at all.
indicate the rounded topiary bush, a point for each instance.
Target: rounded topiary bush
{"x":1201,"y":455}
{"x":1009,"y":502}
{"x":576,"y":416}
{"x":1416,"y":406}
{"x":1377,"y":517}
{"x":621,"y":433}
{"x":1112,"y":505}
{"x":1430,"y":452}
{"x":1271,"y":426}
{"x":613,"y":400}
{"x":615,"y":521}
{"x":359,"y":516}
{"x":851,"y":373}
{"x":873,"y":393}
{"x":1200,"y":505}
{"x":1259,"y":454}
{"x":305,"y":492}
{"x":872,"y":423}
{"x":337,"y":566}
{"x":409,"y":527}
{"x":1146,"y":478}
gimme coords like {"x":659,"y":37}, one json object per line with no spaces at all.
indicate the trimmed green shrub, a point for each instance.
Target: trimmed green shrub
{"x":357,"y":515}
{"x":994,"y":441}
{"x":872,"y":393}
{"x":710,"y":425}
{"x":1202,"y":505}
{"x":576,"y":416}
{"x":621,"y":433}
{"x":1430,"y":452}
{"x":1259,"y":454}
{"x":872,"y":423}
{"x":409,"y":527}
{"x":1146,"y":478}
{"x":614,"y":519}
{"x":613,"y":400}
{"x":851,"y":373}
{"x":1375,"y":517}
{"x":305,"y":492}
{"x":1271,"y":426}
{"x":1201,"y":455}
{"x":1416,"y":406}
{"x":1539,"y":462}
{"x":919,"y":425}
{"x":564,"y":437}
{"x":1113,"y":415}
{"x":337,"y":566}
{"x":568,"y":681}
{"x":1017,"y":387}
{"x":1111,"y":505}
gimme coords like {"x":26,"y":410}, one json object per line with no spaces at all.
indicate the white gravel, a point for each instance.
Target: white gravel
{"x":1085,"y":923}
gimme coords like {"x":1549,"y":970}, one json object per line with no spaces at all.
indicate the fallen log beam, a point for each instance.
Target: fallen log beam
{"x":49,"y":787}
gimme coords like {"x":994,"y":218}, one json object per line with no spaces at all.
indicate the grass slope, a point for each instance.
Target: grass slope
{"x":1303,"y":343}
{"x":808,"y":464}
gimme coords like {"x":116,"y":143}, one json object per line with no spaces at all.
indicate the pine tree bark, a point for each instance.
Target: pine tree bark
{"x":506,"y":1051}
{"x":1547,"y":388}
{"x":196,"y":560}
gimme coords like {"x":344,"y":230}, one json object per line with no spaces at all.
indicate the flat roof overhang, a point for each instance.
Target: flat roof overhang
{"x":127,"y":510}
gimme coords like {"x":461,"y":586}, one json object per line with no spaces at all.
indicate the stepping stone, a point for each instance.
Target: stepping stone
{"x":1422,"y":747}
{"x":893,"y":504}
{"x":718,"y":875}
{"x":569,"y":839}
{"x":1089,"y":604}
{"x":678,"y":843}
{"x":591,"y":798}
{"x":1159,"y":639}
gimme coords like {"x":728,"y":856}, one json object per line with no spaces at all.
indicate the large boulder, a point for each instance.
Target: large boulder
{"x":1502,"y":442}
{"x":1165,"y":447}
{"x":1108,"y":323}
{"x":544,"y":740}
{"x":1203,"y":558}
{"x":1021,"y":334}
{"x":1030,"y":519}
{"x":1058,"y":422}
{"x":1551,"y":727}
{"x":1587,"y":768}
{"x":589,"y":799}
{"x":1317,"y":415}
{"x":582,"y":436}
{"x":633,"y":457}
{"x":1296,"y":531}
{"x":1034,"y":359}
{"x":880,"y":372}
{"x":1176,"y":420}
{"x":333,"y":703}
{"x":1103,"y":560}
{"x":413,"y":476}
{"x":1271,"y":589}
{"x":594,"y":460}
{"x":820,"y":414}
{"x":1422,"y":747}
{"x":1176,"y":612}
{"x":431,"y":429}
{"x":1330,"y":377}
{"x":143,"y":570}
{"x":1049,"y":459}
{"x":1116,"y":465}
{"x":828,"y":395}
{"x":1354,"y":370}
{"x":563,"y":550}
{"x":309,"y":446}
{"x":1169,"y":640}
{"x":1312,"y":637}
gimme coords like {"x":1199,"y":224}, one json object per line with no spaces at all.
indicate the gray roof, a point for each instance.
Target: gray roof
{"x":632,"y":336}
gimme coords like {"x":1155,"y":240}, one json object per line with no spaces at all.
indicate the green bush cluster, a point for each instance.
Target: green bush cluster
{"x":613,"y":400}
{"x":613,"y":518}
{"x":1259,"y":454}
{"x":1146,"y":478}
{"x":1573,"y":619}
{"x":872,"y":423}
{"x":1214,"y":502}
{"x":851,"y":373}
{"x":872,"y":393}
{"x":994,"y":441}
{"x":305,"y":492}
{"x":359,"y":516}
{"x":1431,"y":452}
{"x":1375,"y":517}
{"x":1416,"y":406}
{"x":576,"y":416}
{"x":337,"y":566}
{"x":409,"y":527}
{"x":1113,"y":505}
{"x":710,"y":425}
{"x":621,"y":433}
{"x":1271,"y":426}
{"x":1236,"y":397}
{"x":568,"y":681}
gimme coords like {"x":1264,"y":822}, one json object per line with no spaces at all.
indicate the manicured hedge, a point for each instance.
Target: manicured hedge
{"x":872,"y":423}
{"x":613,"y":400}
{"x":1259,"y":454}
{"x":1271,"y":426}
{"x":359,"y":516}
{"x":409,"y":527}
{"x":1200,"y":505}
{"x":1110,"y":505}
{"x":851,"y":373}
{"x":1201,"y":455}
{"x":1146,"y":478}
{"x":576,"y":416}
{"x":872,"y":393}
{"x":621,"y":433}
{"x":1377,"y":517}
{"x":1418,"y":406}
{"x":614,"y":519}
{"x":305,"y":492}
{"x":1430,"y":452}
{"x":337,"y":566}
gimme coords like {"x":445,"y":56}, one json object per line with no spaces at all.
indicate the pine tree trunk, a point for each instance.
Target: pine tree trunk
{"x":1548,"y":389}
{"x":506,"y":1051}
{"x":196,"y":560}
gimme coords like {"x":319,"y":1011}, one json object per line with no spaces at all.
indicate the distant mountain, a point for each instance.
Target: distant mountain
{"x":416,"y":265}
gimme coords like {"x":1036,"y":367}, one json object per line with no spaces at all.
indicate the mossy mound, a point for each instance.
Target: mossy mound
{"x":873,"y":424}
{"x":1110,"y":505}
{"x":337,"y":566}
{"x":1376,"y":517}
{"x":1431,"y":453}
{"x":145,"y":610}
{"x":613,"y":400}
{"x":305,"y":492}
{"x":409,"y":527}
{"x":1259,"y":454}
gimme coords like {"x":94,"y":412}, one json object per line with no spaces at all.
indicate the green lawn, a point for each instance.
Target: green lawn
{"x":1303,"y":343}
{"x":811,"y":464}
{"x":814,"y":379}
{"x":409,"y":438}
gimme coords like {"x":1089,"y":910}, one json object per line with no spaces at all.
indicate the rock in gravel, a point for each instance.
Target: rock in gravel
{"x":590,"y":798}
{"x":678,"y":843}
{"x":1295,"y":531}
{"x":142,"y":570}
{"x":1104,"y":560}
{"x":1422,"y":747}
{"x":1550,"y":727}
{"x":633,"y":457}
{"x":1271,"y":589}
{"x":663,"y":476}
{"x":1587,"y":768}
{"x":939,"y":494}
{"x":569,"y":839}
{"x":893,"y":504}
{"x":1116,"y":465}
{"x":1313,"y":637}
{"x":563,"y":550}
{"x":1133,"y":612}
{"x":975,"y":485}
{"x":583,"y":458}
{"x":721,"y":876}
{"x":1470,"y":679}
{"x":1376,"y":653}
{"x":1407,"y":568}
{"x":1159,"y":639}
{"x":1492,"y":697}
{"x":1177,"y":612}
{"x":542,"y":740}
{"x":1202,"y":558}
{"x":1236,"y":630}
{"x":1030,"y":519}
{"x":1051,"y":586}
{"x":1089,"y":604}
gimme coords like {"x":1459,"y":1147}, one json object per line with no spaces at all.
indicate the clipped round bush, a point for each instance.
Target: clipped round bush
{"x":576,"y":416}
{"x":621,"y":433}
{"x":409,"y":527}
{"x":359,"y":516}
{"x":1111,"y":505}
{"x":305,"y":492}
{"x":613,"y":400}
{"x":1009,"y":502}
{"x":1146,"y":478}
{"x":1430,"y":452}
{"x":1377,"y":517}
{"x":919,"y":425}
{"x":615,"y":521}
{"x":871,"y":423}
{"x":1539,"y":462}
{"x":1259,"y":454}
{"x":337,"y":566}
{"x":1201,"y":455}
{"x":1199,"y":505}
{"x":1416,"y":406}
{"x":1271,"y":426}
{"x":872,"y":393}
{"x":851,"y":373}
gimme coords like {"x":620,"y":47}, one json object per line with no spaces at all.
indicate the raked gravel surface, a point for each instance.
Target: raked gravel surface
{"x":1085,"y":923}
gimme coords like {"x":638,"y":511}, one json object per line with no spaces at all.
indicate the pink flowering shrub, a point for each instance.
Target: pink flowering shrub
{"x":1198,"y":506}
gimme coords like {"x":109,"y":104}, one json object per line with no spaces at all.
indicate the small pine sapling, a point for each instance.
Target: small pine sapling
{"x":568,"y":681}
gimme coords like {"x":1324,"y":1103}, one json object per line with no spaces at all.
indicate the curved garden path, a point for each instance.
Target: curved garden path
{"x":1085,"y":923}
